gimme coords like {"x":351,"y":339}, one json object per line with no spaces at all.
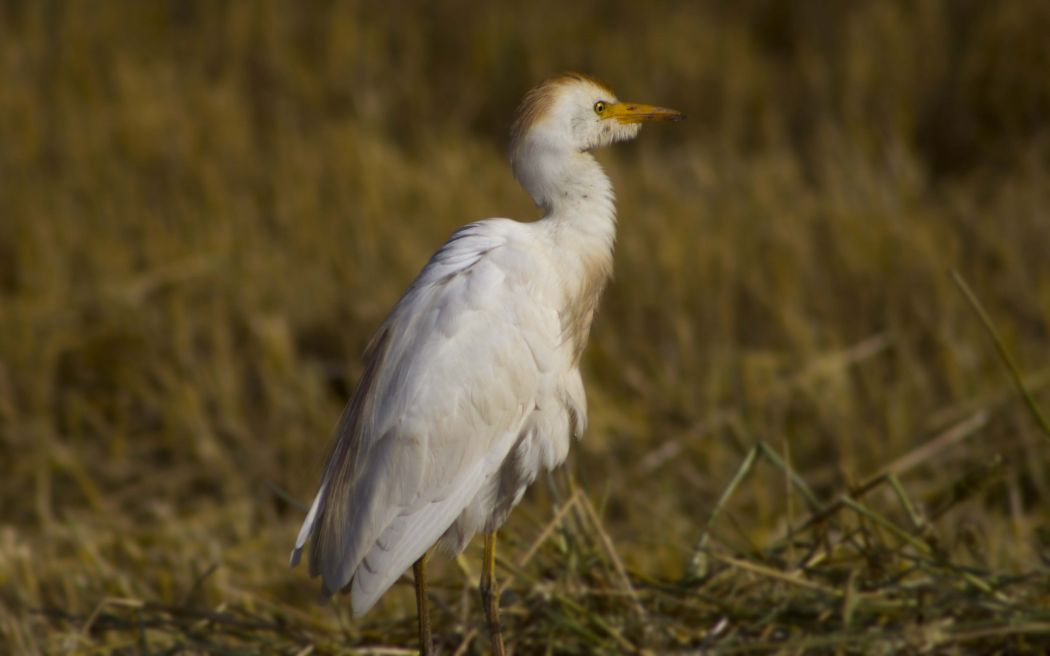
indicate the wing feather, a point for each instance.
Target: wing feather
{"x":449,"y":382}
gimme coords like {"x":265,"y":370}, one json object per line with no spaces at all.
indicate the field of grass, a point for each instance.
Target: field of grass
{"x":803,"y":438}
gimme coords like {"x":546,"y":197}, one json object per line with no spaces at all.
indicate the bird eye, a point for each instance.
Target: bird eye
{"x":599,"y":107}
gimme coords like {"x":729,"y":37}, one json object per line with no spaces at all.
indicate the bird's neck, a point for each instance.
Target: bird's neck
{"x":570,"y":187}
{"x":577,"y":199}
{"x":580,"y":212}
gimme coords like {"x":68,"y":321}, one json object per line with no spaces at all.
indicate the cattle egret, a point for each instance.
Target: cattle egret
{"x":472,"y":383}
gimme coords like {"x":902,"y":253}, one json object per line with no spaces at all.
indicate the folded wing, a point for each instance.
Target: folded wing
{"x":450,"y":381}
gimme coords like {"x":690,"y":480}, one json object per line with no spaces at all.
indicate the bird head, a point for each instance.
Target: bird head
{"x":562,"y":119}
{"x":579,"y":113}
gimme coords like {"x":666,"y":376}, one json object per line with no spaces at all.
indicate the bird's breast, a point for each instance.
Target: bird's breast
{"x":580,"y":302}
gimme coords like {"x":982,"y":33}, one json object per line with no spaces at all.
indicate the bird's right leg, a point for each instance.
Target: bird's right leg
{"x":426,"y":643}
{"x":490,"y":594}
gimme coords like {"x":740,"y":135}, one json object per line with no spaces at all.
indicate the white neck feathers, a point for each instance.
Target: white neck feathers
{"x":564,"y":183}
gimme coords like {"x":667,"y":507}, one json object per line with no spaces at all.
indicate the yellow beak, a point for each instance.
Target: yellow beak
{"x":627,"y":112}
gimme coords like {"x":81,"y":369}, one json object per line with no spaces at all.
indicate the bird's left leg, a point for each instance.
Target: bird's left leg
{"x":426,"y":643}
{"x":490,"y":594}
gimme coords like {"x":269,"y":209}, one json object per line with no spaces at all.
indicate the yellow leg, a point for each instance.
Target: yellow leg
{"x":490,"y":594}
{"x":426,"y":643}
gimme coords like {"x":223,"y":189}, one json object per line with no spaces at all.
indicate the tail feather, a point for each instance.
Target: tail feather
{"x":407,"y":538}
{"x":306,"y":529}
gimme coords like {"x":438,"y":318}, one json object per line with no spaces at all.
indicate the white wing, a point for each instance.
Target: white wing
{"x":452,"y":377}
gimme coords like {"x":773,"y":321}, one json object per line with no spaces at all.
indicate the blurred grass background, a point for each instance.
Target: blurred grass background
{"x":207,"y":208}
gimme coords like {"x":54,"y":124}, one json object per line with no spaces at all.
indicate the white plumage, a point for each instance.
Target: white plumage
{"x":472,"y":384}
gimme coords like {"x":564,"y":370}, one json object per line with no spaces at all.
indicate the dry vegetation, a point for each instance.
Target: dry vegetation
{"x":206,"y":208}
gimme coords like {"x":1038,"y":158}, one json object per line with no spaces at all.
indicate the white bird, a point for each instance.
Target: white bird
{"x":472,"y":384}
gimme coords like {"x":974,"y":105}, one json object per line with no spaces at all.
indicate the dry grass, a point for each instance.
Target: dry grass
{"x":206,"y":208}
